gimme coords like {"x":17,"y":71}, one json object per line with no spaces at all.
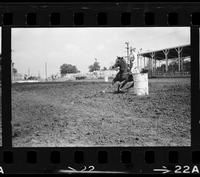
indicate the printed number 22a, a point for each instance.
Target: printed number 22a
{"x":186,"y":169}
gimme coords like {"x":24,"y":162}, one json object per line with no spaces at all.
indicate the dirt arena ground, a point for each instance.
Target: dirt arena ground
{"x":79,"y":114}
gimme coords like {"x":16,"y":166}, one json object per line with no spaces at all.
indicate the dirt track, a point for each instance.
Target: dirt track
{"x":78,"y":114}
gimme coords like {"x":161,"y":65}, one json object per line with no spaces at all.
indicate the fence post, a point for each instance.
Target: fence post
{"x":179,"y":50}
{"x":166,"y":59}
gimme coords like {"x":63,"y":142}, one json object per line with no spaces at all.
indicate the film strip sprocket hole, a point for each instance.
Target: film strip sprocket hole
{"x":172,"y":18}
{"x":102,"y":157}
{"x":73,"y":95}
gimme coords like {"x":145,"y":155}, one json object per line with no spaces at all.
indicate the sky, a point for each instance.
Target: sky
{"x":32,"y":47}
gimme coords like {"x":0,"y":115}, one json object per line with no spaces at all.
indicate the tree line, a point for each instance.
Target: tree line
{"x":68,"y":68}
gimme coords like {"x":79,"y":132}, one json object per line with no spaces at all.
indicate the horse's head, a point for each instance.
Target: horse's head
{"x":119,"y":62}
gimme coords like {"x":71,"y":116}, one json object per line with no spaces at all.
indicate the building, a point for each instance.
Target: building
{"x":158,"y":58}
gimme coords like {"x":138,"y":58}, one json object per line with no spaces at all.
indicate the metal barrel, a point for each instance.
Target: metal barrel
{"x":141,"y":86}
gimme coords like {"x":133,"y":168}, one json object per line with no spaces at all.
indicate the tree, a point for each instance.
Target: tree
{"x":68,"y":68}
{"x":14,"y":70}
{"x":104,"y":68}
{"x":95,"y":66}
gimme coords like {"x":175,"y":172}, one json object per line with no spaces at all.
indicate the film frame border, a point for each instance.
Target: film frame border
{"x":97,"y":15}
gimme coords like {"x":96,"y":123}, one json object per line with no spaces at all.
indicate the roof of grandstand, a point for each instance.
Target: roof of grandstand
{"x":159,"y":54}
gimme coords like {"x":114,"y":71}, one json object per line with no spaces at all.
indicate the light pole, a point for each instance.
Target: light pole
{"x":127,"y":48}
{"x":46,"y":70}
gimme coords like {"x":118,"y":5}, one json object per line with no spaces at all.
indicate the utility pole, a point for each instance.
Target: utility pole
{"x":127,"y":48}
{"x":46,"y":70}
{"x":12,"y":73}
{"x":28,"y":72}
{"x":38,"y":74}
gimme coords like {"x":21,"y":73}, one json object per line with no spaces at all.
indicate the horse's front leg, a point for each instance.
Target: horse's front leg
{"x":122,"y":85}
{"x":114,"y":80}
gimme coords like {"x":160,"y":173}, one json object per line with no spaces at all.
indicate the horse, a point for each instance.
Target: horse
{"x":124,"y":75}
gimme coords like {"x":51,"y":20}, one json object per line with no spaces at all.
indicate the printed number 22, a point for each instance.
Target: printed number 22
{"x":178,"y":168}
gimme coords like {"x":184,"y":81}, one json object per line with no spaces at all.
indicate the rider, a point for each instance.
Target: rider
{"x":132,"y":61}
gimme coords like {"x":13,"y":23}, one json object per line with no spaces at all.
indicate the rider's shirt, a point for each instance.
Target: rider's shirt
{"x":133,"y":58}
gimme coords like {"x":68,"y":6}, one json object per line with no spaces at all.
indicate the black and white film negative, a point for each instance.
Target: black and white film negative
{"x":100,"y":88}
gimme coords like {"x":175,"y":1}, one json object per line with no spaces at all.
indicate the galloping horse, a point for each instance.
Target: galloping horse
{"x":124,"y":75}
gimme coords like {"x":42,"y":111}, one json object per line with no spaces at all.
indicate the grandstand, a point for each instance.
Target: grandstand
{"x":168,"y":62}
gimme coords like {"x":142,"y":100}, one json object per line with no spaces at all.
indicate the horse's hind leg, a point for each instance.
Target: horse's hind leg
{"x":130,"y":79}
{"x":118,"y":88}
{"x":130,"y":86}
